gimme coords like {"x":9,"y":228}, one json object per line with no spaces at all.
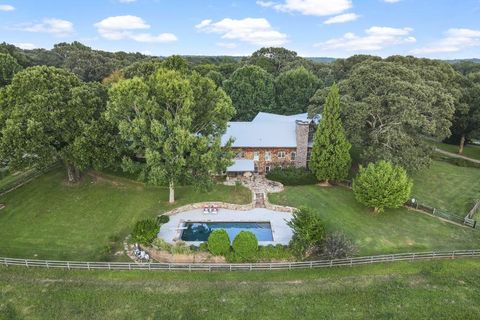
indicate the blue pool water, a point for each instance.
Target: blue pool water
{"x":199,"y":231}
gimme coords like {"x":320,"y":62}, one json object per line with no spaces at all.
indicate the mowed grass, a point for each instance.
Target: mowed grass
{"x":470,"y":151}
{"x":398,"y":230}
{"x":49,"y":219}
{"x":446,"y":289}
{"x":447,"y":187}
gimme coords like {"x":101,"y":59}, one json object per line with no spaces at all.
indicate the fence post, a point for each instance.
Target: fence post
{"x":46,"y":262}
{"x":433,"y":211}
{"x":26,"y":263}
{"x":88,"y":265}
{"x":68,"y":265}
{"x":5,"y":261}
{"x":311,"y":264}
{"x":109,"y":266}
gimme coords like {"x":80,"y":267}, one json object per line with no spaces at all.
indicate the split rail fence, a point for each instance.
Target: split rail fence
{"x":241,"y":266}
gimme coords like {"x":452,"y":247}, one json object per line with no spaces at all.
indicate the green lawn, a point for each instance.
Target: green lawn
{"x":446,"y":289}
{"x":393,"y":231}
{"x":48,"y":219}
{"x":10,"y":178}
{"x":471,"y":151}
{"x":448,"y":187}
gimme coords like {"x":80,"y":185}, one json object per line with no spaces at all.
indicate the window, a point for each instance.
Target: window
{"x":255,"y":168}
{"x":293,"y":156}
{"x":256,"y":155}
{"x":309,"y":154}
{"x":267,"y":169}
{"x":268,"y":156}
{"x":240,"y":155}
{"x":281,"y":154}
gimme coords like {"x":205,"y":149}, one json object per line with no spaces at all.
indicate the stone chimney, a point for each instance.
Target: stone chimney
{"x":302,"y":131}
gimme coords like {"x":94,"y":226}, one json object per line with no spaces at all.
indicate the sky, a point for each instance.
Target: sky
{"x":446,"y":29}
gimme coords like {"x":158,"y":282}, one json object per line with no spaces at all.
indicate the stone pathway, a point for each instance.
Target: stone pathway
{"x":456,"y":155}
{"x":259,"y":185}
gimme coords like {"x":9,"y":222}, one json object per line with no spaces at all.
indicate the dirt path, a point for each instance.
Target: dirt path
{"x":456,"y":155}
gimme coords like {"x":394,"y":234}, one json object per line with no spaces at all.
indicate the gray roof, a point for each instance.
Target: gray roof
{"x":271,"y":117}
{"x":242,"y":165}
{"x":261,"y":134}
{"x":266,"y":130}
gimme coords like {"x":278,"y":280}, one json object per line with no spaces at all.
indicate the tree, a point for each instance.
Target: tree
{"x":273,"y":60}
{"x":331,"y":150}
{"x":251,"y":89}
{"x":8,"y":67}
{"x":40,"y":124}
{"x":388,"y":109}
{"x":293,"y":90}
{"x":308,"y":231}
{"x":171,"y":124}
{"x":382,"y":185}
{"x":143,"y":68}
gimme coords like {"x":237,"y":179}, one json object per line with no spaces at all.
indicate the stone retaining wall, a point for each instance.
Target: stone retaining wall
{"x":221,"y":205}
{"x":276,"y":207}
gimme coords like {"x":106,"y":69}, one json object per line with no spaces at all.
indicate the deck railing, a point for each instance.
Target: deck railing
{"x":31,"y":263}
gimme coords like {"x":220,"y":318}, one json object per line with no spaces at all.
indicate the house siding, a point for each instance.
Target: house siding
{"x":262,"y":163}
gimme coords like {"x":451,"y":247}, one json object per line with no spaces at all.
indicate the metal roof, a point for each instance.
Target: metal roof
{"x":261,"y":134}
{"x":265,"y":116}
{"x":242,"y":165}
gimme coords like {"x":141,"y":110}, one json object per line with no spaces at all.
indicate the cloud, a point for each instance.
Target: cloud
{"x":342,"y":18}
{"x":376,"y":38}
{"x":391,"y":1}
{"x":455,"y":40}
{"x":126,"y":27}
{"x":49,"y":25}
{"x":25,"y":46}
{"x":310,"y":7}
{"x":6,"y":7}
{"x":257,"y":31}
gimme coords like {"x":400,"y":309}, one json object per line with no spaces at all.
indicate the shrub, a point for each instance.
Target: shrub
{"x":180,"y":247}
{"x":382,"y":185}
{"x":292,"y":176}
{"x":161,"y":244}
{"x":145,"y":231}
{"x":274,"y":253}
{"x":163,"y":219}
{"x":338,"y":246}
{"x":308,"y":231}
{"x":219,"y":242}
{"x":245,"y":246}
{"x":203,"y":247}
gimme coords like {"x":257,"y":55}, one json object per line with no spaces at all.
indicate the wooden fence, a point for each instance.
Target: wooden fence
{"x":29,"y":263}
{"x":25,"y":178}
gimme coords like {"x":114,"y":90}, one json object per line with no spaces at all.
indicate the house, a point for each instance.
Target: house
{"x":270,"y":140}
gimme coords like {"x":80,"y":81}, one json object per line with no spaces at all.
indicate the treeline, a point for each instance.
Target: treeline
{"x":388,"y":106}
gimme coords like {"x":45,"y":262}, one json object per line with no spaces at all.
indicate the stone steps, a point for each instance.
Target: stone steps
{"x":260,"y":200}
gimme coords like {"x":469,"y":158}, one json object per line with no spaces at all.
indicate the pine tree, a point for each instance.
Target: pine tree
{"x":331,"y":150}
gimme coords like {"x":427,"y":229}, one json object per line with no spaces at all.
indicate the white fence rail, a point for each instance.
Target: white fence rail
{"x":30,"y":263}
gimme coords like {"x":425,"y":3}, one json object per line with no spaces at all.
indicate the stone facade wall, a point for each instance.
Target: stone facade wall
{"x":275,"y":161}
{"x":302,"y":132}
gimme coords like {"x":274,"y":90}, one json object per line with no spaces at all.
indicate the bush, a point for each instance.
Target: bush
{"x":163,"y":219}
{"x":245,"y":246}
{"x":338,"y":246}
{"x":161,"y":244}
{"x":203,"y":247}
{"x":219,"y":242}
{"x":180,"y":247}
{"x":382,"y":185}
{"x":308,"y":232}
{"x":274,"y":253}
{"x":145,"y":231}
{"x":292,"y":176}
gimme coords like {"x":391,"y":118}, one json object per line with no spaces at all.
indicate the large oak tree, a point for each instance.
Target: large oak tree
{"x":171,"y":123}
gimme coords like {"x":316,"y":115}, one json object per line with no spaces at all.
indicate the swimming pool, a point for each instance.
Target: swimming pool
{"x":199,"y":231}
